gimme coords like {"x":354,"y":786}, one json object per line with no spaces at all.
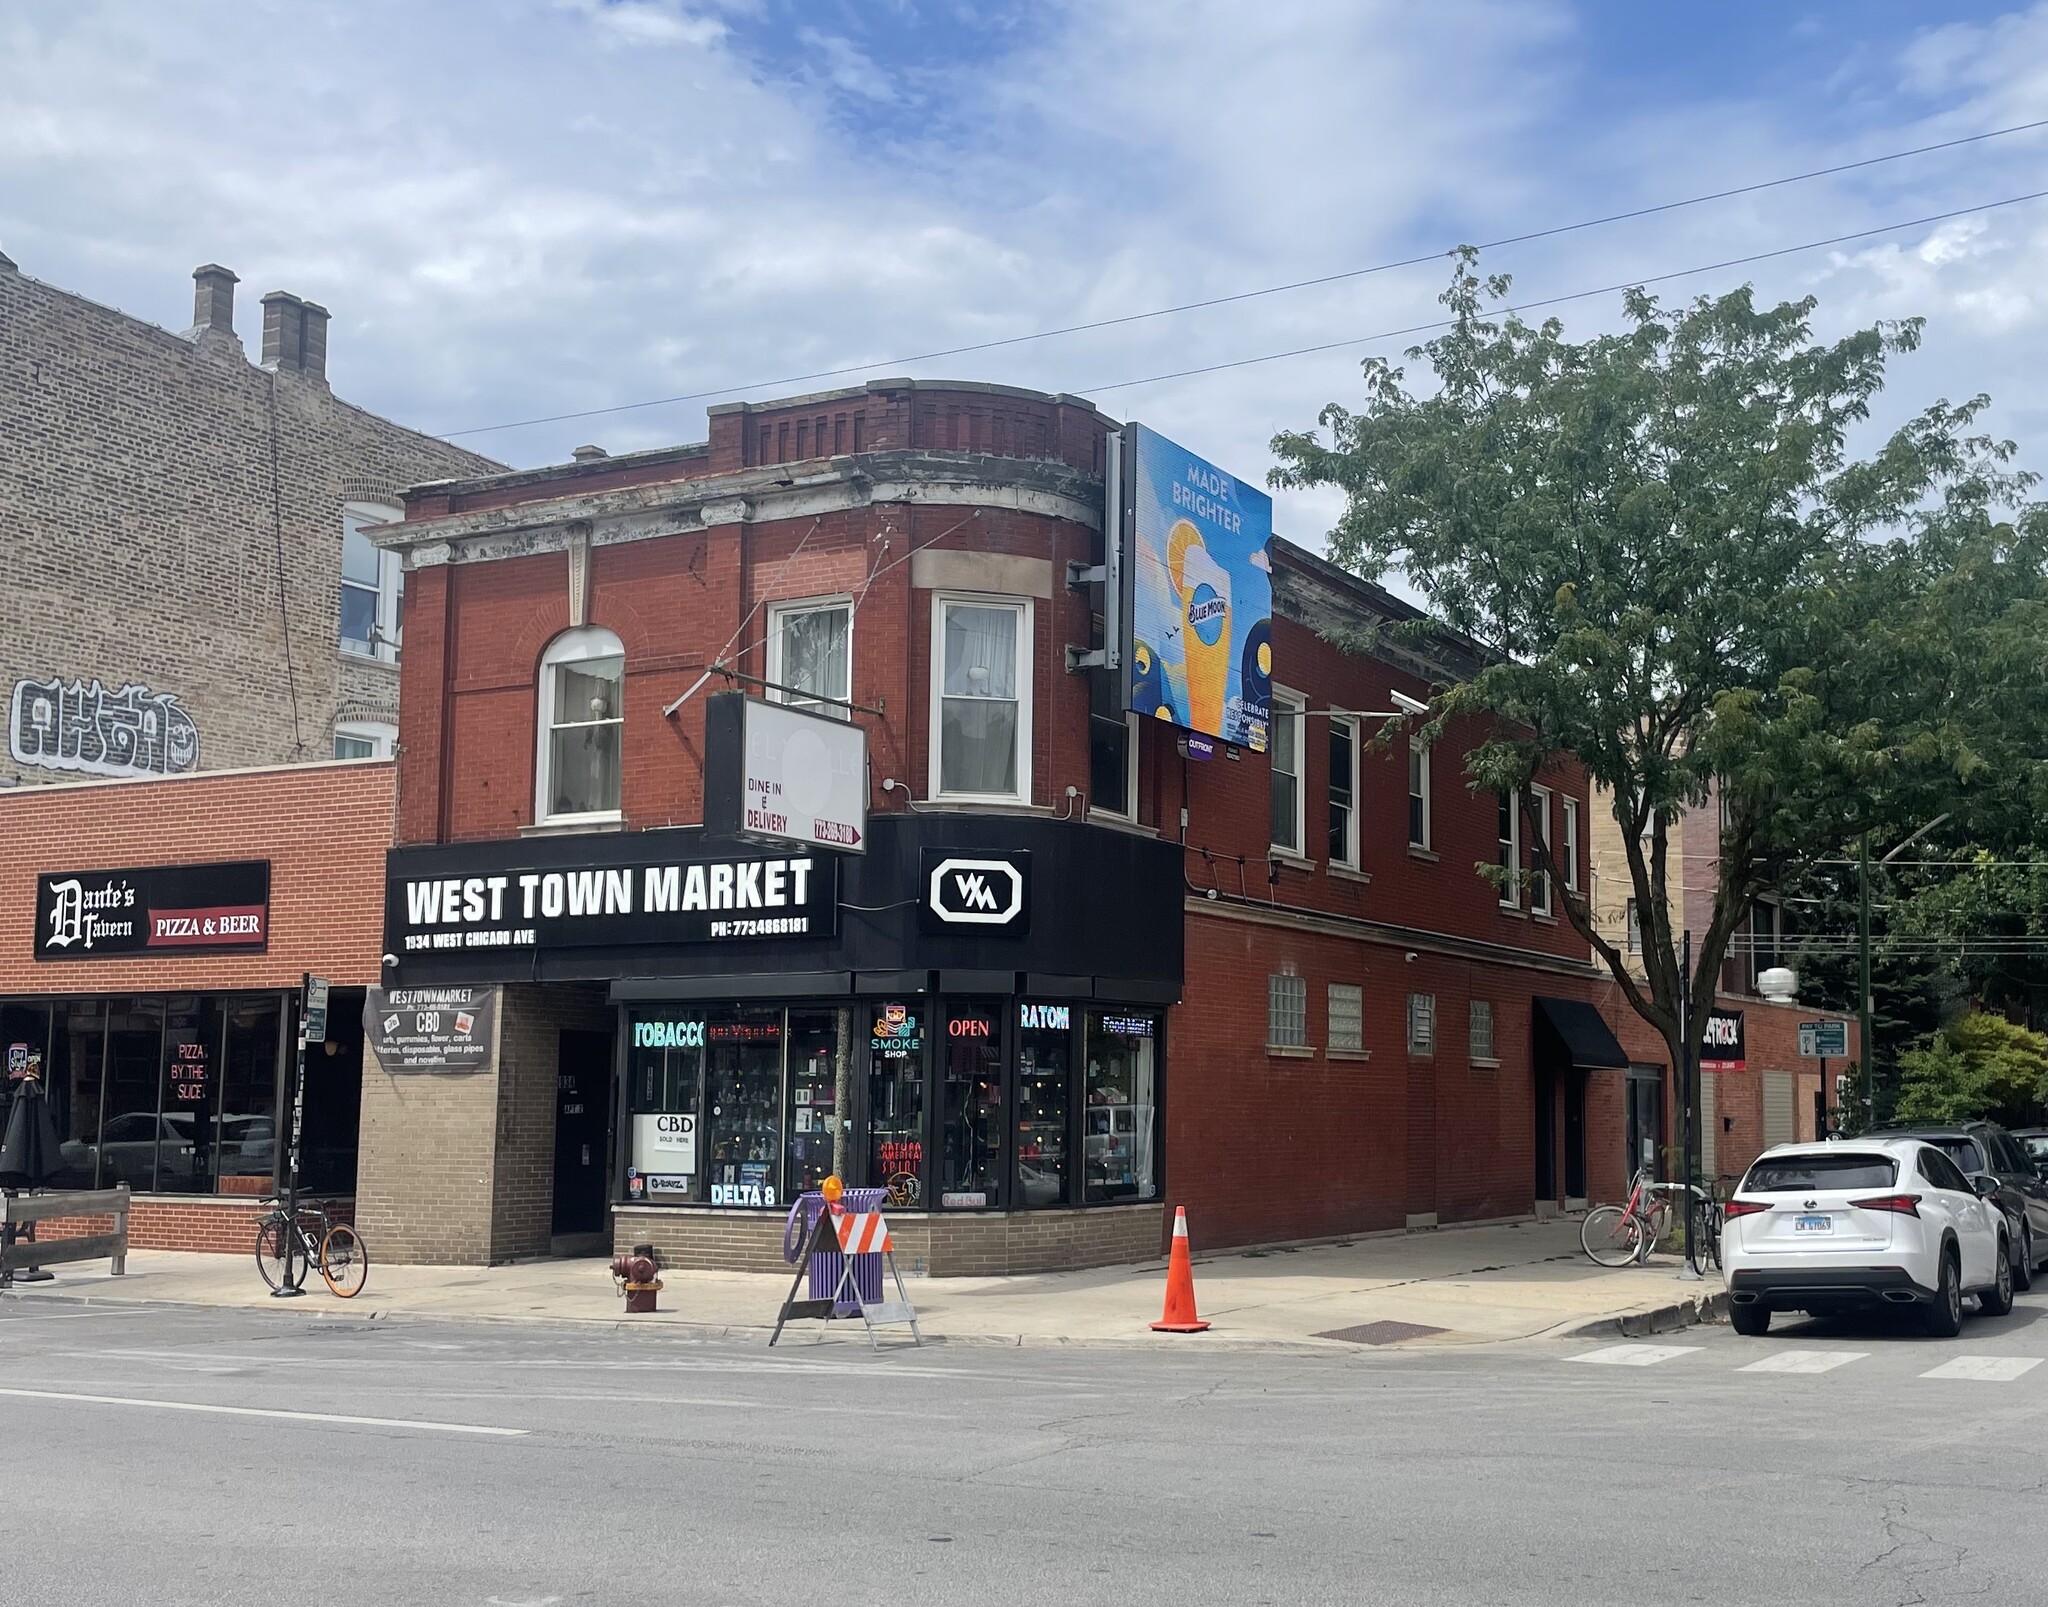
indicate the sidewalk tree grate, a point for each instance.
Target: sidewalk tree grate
{"x":1382,"y":1333}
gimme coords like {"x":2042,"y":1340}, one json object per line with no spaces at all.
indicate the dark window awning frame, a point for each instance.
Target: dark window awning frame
{"x":1571,"y":1032}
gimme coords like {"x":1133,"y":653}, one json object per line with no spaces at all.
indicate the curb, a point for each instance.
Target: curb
{"x":689,"y":1332}
{"x":1660,"y":1320}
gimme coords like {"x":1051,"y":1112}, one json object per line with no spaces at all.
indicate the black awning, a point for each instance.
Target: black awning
{"x":1573,"y":1032}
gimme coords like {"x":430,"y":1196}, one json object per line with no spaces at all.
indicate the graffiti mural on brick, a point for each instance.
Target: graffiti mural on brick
{"x":83,"y":726}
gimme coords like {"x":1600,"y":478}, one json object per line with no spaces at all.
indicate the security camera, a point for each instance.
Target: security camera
{"x":390,"y":959}
{"x":1409,"y":956}
{"x":1212,"y":895}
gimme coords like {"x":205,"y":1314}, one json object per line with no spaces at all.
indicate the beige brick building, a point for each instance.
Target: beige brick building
{"x":176,"y":589}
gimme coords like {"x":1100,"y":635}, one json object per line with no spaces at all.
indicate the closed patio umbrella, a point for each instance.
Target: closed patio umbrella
{"x":28,"y":1151}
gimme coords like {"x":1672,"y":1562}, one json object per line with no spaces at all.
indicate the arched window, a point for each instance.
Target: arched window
{"x":582,"y":722}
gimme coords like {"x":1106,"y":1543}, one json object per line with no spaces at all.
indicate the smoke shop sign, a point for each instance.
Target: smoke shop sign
{"x":153,"y":909}
{"x":518,"y":908}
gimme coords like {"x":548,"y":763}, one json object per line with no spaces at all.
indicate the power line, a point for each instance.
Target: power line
{"x":1576,"y":295}
{"x":1264,"y":290}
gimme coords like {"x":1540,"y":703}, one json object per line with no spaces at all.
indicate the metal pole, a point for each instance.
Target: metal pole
{"x":287,"y":1285}
{"x":1688,"y":1096}
{"x":1863,"y":987}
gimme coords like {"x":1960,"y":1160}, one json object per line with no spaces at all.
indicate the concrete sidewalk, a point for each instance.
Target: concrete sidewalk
{"x":1453,"y":1286}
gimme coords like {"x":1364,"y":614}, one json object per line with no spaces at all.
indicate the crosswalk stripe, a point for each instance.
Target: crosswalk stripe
{"x":1634,"y":1355}
{"x":1804,"y":1361}
{"x":1985,"y":1369}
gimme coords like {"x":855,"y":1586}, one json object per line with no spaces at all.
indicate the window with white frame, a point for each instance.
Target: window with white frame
{"x":1344,"y":790}
{"x":582,"y":727}
{"x":1635,"y":929}
{"x":372,"y":584}
{"x":981,"y":698}
{"x":1284,"y":756}
{"x":1539,"y":882}
{"x":1481,"y":1019}
{"x":1287,"y":1010}
{"x":1509,"y":855}
{"x":1422,"y":1023}
{"x":1418,"y":777}
{"x":810,"y":655}
{"x":1347,"y":1017}
{"x":1571,"y":845}
{"x":364,"y":739}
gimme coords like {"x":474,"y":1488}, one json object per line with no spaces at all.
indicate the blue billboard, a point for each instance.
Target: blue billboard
{"x":1201,"y":593}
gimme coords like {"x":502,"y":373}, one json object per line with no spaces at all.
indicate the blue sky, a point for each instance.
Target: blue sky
{"x":518,"y":208}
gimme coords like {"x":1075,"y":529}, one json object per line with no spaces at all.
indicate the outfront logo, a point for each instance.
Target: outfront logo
{"x":976,"y":890}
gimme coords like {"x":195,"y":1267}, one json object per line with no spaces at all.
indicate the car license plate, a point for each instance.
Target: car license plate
{"x":1813,"y":1224}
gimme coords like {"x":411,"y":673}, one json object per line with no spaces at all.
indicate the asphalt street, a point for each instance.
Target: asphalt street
{"x":172,"y":1457}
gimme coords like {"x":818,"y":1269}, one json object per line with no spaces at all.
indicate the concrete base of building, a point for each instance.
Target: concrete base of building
{"x":938,"y":1245}
{"x":219,"y":1224}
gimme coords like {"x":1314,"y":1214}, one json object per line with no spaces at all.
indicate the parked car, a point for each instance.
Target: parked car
{"x":142,"y":1149}
{"x":1852,"y":1224}
{"x":1984,"y":1149}
{"x":2034,"y":1140}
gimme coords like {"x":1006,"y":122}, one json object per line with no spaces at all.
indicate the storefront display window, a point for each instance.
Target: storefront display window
{"x":896,"y":1102}
{"x":130,"y":1125}
{"x":743,"y":1086}
{"x":817,"y":1081}
{"x":190,"y":1097}
{"x":665,"y":1077}
{"x":972,"y":1143}
{"x":248,"y":1149}
{"x":1120,"y":1115}
{"x":78,"y":1046}
{"x":1045,"y":1042}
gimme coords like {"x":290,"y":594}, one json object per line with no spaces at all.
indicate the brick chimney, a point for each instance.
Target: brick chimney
{"x":213,"y":302}
{"x":295,"y":336}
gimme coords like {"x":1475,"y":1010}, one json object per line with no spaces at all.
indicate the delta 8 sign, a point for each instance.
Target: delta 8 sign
{"x":784,"y":774}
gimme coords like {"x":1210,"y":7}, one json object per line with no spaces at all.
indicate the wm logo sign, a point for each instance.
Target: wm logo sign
{"x":975,"y":891}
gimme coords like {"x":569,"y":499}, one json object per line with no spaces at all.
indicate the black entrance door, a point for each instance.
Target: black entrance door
{"x":1646,"y":1118}
{"x":1546,"y":1135}
{"x":583,"y":1080}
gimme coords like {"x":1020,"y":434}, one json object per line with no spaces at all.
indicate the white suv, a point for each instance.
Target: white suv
{"x":1856,"y":1223}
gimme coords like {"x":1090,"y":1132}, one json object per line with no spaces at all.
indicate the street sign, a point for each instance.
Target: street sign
{"x":1824,"y":1040}
{"x":316,"y":1009}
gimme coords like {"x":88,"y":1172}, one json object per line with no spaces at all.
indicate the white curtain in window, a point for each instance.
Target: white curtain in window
{"x":978,"y":714}
{"x":814,"y":655}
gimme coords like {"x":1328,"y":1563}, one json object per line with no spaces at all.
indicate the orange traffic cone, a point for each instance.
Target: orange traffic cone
{"x":1179,"y":1316}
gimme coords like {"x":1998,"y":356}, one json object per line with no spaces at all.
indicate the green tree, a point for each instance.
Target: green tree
{"x":1681,"y":574}
{"x":1981,"y":1065}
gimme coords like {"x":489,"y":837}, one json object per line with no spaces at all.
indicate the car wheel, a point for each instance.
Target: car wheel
{"x":1945,"y":1311}
{"x":2023,"y":1266}
{"x":1755,"y":1321}
{"x":1997,"y":1300}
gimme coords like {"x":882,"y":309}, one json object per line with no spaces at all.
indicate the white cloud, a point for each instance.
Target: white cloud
{"x":538,"y":206}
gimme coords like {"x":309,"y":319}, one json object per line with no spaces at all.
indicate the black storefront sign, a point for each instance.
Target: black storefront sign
{"x":431,"y":1029}
{"x":153,"y":909}
{"x":1721,"y":1044}
{"x":638,"y":890}
{"x":974,"y":893}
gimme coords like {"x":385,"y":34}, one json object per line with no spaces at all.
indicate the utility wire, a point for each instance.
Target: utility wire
{"x":1265,"y":290}
{"x":1576,"y":295}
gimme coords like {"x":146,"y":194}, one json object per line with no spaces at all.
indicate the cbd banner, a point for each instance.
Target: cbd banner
{"x":431,"y":1029}
{"x":1202,"y":594}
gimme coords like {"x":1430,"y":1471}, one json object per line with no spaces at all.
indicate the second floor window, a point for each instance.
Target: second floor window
{"x":982,"y":722}
{"x":1285,"y":758}
{"x":1539,"y":883}
{"x":1343,"y":791}
{"x":582,"y":726}
{"x":1510,"y":858}
{"x":365,"y":739}
{"x":1571,"y":845}
{"x":810,"y":656}
{"x":372,"y":585}
{"x":1347,"y":1017}
{"x":1422,"y":1023}
{"x":1481,"y":1023}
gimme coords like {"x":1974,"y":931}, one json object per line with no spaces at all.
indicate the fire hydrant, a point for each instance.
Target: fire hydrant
{"x":634,"y":1274}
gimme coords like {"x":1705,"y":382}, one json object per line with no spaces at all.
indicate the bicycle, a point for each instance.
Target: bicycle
{"x":1615,"y":1235}
{"x":337,"y":1251}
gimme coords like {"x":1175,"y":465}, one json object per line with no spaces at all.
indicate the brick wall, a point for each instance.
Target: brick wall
{"x":324,"y":828}
{"x":458,"y":1169}
{"x":943,"y":1246}
{"x":221,"y":1227}
{"x":143,"y":529}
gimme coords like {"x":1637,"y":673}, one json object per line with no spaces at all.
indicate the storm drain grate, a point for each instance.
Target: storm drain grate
{"x":1382,"y":1333}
